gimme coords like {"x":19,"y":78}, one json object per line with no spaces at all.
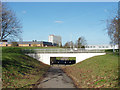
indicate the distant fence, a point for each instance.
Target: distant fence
{"x":62,"y":51}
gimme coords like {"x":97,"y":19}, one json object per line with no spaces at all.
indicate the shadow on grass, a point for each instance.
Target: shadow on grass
{"x":16,"y":67}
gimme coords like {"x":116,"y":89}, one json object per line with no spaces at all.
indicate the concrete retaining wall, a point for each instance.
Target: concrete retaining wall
{"x":45,"y":57}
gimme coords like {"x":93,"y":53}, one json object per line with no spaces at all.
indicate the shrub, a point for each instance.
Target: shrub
{"x":14,"y":44}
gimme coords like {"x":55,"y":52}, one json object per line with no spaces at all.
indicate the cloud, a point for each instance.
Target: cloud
{"x":24,"y":12}
{"x":58,"y":21}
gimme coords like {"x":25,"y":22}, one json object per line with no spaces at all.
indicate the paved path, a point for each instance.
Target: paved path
{"x":56,"y":78}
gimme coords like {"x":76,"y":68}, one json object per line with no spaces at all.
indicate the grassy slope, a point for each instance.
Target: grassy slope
{"x":98,"y":71}
{"x":19,"y":70}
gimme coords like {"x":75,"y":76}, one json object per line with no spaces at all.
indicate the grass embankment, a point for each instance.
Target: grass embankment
{"x":95,"y":72}
{"x":20,"y":70}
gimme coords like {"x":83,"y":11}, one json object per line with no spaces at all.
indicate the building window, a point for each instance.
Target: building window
{"x":86,"y":46}
{"x":29,"y":44}
{"x":106,"y":46}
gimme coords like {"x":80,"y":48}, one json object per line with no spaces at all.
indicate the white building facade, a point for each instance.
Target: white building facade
{"x":55,"y":39}
{"x":91,"y":47}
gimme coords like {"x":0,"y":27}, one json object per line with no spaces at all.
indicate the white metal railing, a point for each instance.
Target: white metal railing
{"x":63,"y":51}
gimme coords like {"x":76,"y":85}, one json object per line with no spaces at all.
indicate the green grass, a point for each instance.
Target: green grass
{"x":95,"y":72}
{"x":12,"y":50}
{"x":69,"y":58}
{"x":110,"y":51}
{"x":19,"y":70}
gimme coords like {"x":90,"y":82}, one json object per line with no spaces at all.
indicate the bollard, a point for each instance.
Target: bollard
{"x":52,"y":63}
{"x":65,"y":63}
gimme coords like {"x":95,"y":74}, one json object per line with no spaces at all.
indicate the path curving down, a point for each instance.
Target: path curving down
{"x":56,"y":78}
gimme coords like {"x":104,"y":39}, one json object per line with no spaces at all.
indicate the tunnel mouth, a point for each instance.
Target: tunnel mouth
{"x":62,"y":60}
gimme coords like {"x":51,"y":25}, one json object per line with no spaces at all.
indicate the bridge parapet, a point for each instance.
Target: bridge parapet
{"x":63,"y":51}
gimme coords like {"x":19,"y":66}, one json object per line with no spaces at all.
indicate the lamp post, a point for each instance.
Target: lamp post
{"x":70,"y":45}
{"x":113,"y":47}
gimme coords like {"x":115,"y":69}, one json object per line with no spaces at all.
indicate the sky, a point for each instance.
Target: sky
{"x":60,"y":0}
{"x":70,"y":20}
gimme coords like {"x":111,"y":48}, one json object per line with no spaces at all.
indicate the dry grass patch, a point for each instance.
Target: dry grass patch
{"x":95,"y":72}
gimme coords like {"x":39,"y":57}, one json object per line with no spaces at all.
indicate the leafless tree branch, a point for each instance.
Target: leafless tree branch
{"x":11,"y":26}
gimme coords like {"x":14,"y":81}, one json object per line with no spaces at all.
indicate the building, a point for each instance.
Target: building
{"x":28,"y":44}
{"x":92,"y":47}
{"x":35,"y":43}
{"x":3,"y":43}
{"x":55,"y":39}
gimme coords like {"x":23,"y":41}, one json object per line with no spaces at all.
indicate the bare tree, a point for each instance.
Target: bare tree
{"x":80,"y":42}
{"x":69,"y":44}
{"x":112,"y":29}
{"x":11,"y":27}
{"x":112,"y":25}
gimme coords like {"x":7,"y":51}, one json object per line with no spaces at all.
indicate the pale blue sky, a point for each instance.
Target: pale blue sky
{"x":60,"y":0}
{"x":70,"y":20}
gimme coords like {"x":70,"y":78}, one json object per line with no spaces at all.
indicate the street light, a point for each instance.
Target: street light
{"x":113,"y":47}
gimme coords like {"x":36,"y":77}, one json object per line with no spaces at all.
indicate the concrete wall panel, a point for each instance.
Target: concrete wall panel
{"x":45,"y":57}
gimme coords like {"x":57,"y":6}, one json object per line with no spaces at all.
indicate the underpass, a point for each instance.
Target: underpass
{"x":56,"y":77}
{"x":44,"y":55}
{"x":62,"y":60}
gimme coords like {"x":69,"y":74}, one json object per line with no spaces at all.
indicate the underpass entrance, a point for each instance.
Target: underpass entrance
{"x":62,"y":60}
